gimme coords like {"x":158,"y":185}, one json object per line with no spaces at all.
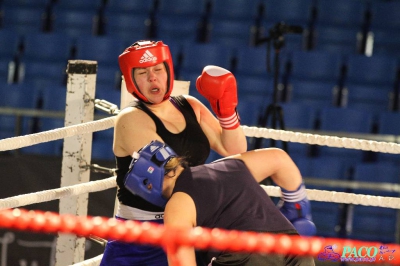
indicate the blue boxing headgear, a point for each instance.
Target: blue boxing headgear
{"x":146,"y":172}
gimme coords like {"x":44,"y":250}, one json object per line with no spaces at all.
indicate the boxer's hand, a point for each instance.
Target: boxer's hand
{"x":218,"y":86}
{"x":299,"y":214}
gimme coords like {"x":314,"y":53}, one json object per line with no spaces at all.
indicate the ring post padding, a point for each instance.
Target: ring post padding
{"x":76,"y":153}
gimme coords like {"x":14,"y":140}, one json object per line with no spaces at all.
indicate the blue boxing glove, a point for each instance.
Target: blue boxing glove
{"x":295,"y":206}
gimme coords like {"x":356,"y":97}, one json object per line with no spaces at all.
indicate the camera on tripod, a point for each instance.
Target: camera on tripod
{"x":282,"y":28}
{"x":276,"y":36}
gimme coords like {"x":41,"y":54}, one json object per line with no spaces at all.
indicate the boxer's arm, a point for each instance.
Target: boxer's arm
{"x":128,"y":136}
{"x":224,"y":141}
{"x":180,"y":212}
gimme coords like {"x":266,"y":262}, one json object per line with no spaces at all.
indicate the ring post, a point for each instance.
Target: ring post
{"x":76,"y":154}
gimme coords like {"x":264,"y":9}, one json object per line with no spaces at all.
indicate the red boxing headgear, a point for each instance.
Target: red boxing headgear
{"x":145,"y":54}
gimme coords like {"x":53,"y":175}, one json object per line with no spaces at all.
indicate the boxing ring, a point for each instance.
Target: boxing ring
{"x":73,"y":225}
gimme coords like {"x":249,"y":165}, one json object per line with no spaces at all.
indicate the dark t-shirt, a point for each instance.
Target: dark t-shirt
{"x":227,"y":196}
{"x":190,"y":143}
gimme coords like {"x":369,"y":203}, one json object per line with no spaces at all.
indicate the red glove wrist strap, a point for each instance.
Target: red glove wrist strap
{"x":231,"y":122}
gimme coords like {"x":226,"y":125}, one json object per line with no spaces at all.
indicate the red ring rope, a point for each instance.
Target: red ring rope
{"x":172,"y":238}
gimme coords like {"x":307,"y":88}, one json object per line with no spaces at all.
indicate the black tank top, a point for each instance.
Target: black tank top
{"x":191,"y":143}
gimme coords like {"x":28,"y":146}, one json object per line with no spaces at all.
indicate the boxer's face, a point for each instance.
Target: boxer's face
{"x":152,"y":82}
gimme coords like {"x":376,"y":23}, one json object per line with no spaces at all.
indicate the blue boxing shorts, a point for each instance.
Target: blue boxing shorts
{"x":118,"y":253}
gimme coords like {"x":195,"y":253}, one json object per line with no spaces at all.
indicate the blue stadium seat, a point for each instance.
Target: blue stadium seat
{"x":249,"y":108}
{"x":182,"y":8}
{"x":329,"y":168}
{"x":313,"y":93}
{"x":23,"y":19}
{"x":103,"y":49}
{"x":51,"y":47}
{"x":326,"y":217}
{"x":109,"y":75}
{"x":367,"y":97}
{"x":4,"y":70}
{"x":291,"y":12}
{"x":26,"y":3}
{"x":54,"y":97}
{"x":9,"y":41}
{"x":196,"y":56}
{"x":316,"y":65}
{"x":379,"y":224}
{"x":238,"y":10}
{"x":351,"y":13}
{"x":192,"y":76}
{"x":251,"y":61}
{"x":386,"y":43}
{"x":388,"y":124}
{"x":177,"y":28}
{"x":231,"y":32}
{"x":46,"y":72}
{"x":73,"y":22}
{"x":385,"y":15}
{"x":102,"y":149}
{"x":260,"y":86}
{"x":377,"y":172}
{"x":344,"y":120}
{"x":17,"y":95}
{"x":79,"y":5}
{"x":299,"y":116}
{"x":336,"y":39}
{"x":7,"y":126}
{"x":374,"y":70}
{"x":129,"y":7}
{"x":128,"y":27}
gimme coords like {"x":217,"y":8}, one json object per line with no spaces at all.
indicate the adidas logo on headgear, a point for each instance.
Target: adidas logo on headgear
{"x":147,"y":57}
{"x":153,"y":148}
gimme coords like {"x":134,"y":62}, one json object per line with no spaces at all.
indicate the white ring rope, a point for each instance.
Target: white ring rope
{"x":273,"y":191}
{"x":90,"y":262}
{"x":342,"y":197}
{"x":306,"y":138}
{"x":314,"y":139}
{"x":58,"y":193}
{"x":54,"y":134}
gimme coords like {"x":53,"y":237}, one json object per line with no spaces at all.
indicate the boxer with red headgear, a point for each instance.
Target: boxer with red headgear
{"x":144,"y":54}
{"x":183,"y":122}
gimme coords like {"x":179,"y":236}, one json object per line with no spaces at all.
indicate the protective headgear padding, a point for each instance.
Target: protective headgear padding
{"x":144,"y":54}
{"x":146,"y":172}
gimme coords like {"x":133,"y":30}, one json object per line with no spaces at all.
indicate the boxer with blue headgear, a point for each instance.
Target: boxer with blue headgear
{"x":146,"y":172}
{"x":223,"y":194}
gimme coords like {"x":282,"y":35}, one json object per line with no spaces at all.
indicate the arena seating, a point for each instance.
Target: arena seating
{"x":382,"y":225}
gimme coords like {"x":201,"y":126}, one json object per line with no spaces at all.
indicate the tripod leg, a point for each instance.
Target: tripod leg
{"x":263,"y":121}
{"x":281,"y":125}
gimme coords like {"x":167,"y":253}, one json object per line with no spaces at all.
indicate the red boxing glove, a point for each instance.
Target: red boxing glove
{"x":218,"y":86}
